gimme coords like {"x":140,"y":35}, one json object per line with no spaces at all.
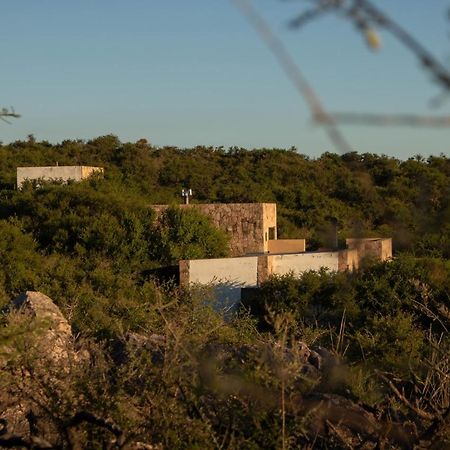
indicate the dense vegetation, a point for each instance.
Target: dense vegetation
{"x":367,"y":193}
{"x":211,"y":383}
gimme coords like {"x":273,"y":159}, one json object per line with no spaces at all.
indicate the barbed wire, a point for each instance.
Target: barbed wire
{"x":365,"y":17}
{"x":5,"y":112}
{"x":409,"y":120}
{"x":292,"y":70}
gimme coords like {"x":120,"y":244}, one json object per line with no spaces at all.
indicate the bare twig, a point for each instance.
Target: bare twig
{"x":5,"y":112}
{"x":340,"y":436}
{"x":9,"y":440}
{"x":409,"y":120}
{"x":14,"y":441}
{"x":364,"y":15}
{"x":426,"y":58}
{"x":88,"y":417}
{"x":419,"y":412}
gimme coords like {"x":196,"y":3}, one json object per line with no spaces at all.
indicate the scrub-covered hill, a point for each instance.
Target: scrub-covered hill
{"x":368,"y":194}
{"x":329,"y":360}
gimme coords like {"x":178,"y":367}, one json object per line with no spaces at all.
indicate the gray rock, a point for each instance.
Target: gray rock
{"x":46,"y":350}
{"x":54,"y":334}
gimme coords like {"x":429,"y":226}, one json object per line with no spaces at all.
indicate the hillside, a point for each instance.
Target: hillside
{"x":367,"y":193}
{"x":329,"y":360}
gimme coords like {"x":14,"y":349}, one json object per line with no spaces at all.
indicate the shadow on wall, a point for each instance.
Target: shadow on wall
{"x":223,"y":295}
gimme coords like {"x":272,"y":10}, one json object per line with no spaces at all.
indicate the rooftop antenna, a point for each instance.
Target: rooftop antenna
{"x":186,"y":194}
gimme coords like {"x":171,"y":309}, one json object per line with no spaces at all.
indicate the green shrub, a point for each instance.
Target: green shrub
{"x":187,"y":234}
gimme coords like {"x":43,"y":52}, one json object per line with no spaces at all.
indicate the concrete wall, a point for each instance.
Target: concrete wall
{"x":229,"y":275}
{"x":48,"y":173}
{"x":349,"y":260}
{"x":287,"y":246}
{"x":87,"y":171}
{"x":248,"y":271}
{"x":226,"y":275}
{"x":379,"y":249}
{"x":247,"y":224}
{"x":302,"y":262}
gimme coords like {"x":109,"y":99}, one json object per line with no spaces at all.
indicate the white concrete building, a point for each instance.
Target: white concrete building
{"x":55,"y":173}
{"x":228,"y":276}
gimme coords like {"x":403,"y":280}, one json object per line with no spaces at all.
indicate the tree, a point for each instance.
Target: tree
{"x":187,"y":234}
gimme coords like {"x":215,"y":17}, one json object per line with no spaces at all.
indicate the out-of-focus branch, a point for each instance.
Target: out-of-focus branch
{"x":365,"y":15}
{"x":88,"y":417}
{"x":409,"y":120}
{"x":310,"y":14}
{"x":419,"y":412}
{"x":292,"y":70}
{"x":5,"y":112}
{"x":426,"y":58}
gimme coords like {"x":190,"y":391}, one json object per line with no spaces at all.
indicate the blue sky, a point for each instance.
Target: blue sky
{"x":188,"y":73}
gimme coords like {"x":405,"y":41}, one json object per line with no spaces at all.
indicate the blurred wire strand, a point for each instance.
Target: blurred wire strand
{"x":5,"y":112}
{"x":365,"y":16}
{"x":292,"y":70}
{"x":409,"y":120}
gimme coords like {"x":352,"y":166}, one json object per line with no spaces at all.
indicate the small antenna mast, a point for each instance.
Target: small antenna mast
{"x":186,"y":194}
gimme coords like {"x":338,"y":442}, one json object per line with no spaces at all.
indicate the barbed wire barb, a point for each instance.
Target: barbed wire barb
{"x":5,"y":112}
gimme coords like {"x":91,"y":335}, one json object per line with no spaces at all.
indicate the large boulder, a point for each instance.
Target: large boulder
{"x":53,"y":336}
{"x":40,"y":348}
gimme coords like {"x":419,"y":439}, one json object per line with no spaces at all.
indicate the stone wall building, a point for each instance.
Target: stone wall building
{"x":250,"y":226}
{"x":55,"y":173}
{"x":256,"y":253}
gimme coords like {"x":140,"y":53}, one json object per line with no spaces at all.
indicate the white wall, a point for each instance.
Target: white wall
{"x":65,"y":173}
{"x":226,"y":275}
{"x":302,"y":262}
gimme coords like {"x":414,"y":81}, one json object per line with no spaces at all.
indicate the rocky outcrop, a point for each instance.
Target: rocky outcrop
{"x":32,"y":385}
{"x":36,"y":375}
{"x":43,"y":346}
{"x":53,"y":334}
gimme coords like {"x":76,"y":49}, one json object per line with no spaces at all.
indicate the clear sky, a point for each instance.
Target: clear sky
{"x":187,"y":73}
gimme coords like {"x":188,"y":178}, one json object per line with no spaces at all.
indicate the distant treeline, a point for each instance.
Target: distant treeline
{"x":368,"y":194}
{"x":383,"y":376}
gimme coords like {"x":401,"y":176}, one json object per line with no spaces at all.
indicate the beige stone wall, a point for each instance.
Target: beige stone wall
{"x":48,"y":173}
{"x":386,"y":249}
{"x":264,"y":268}
{"x":246,"y":224}
{"x":184,"y":268}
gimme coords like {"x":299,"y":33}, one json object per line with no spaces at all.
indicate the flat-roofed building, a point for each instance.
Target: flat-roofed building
{"x":250,"y":226}
{"x":55,"y":173}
